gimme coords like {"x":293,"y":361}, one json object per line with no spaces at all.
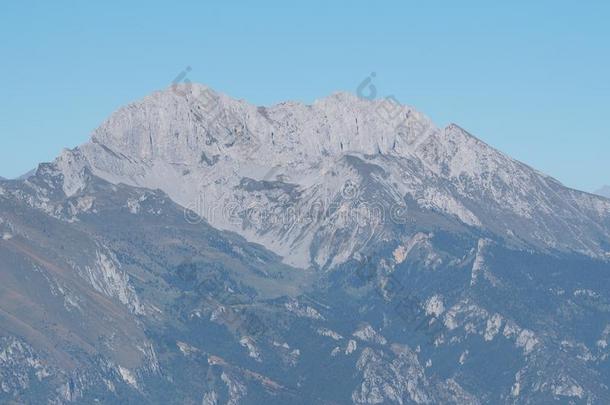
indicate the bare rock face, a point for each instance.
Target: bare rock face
{"x":263,"y":172}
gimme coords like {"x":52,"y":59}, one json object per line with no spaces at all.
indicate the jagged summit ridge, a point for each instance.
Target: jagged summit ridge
{"x":176,"y":123}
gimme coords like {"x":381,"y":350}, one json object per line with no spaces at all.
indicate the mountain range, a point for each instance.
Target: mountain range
{"x":201,"y":249}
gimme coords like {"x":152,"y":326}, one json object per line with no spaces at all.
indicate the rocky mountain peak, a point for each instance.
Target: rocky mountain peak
{"x":194,"y":143}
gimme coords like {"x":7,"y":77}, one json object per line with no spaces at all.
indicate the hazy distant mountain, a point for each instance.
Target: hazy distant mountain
{"x":347,"y":251}
{"x":27,"y":175}
{"x":24,"y":176}
{"x":604,"y":191}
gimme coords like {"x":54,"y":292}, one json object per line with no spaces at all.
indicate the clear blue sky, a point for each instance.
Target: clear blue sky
{"x":530,"y":78}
